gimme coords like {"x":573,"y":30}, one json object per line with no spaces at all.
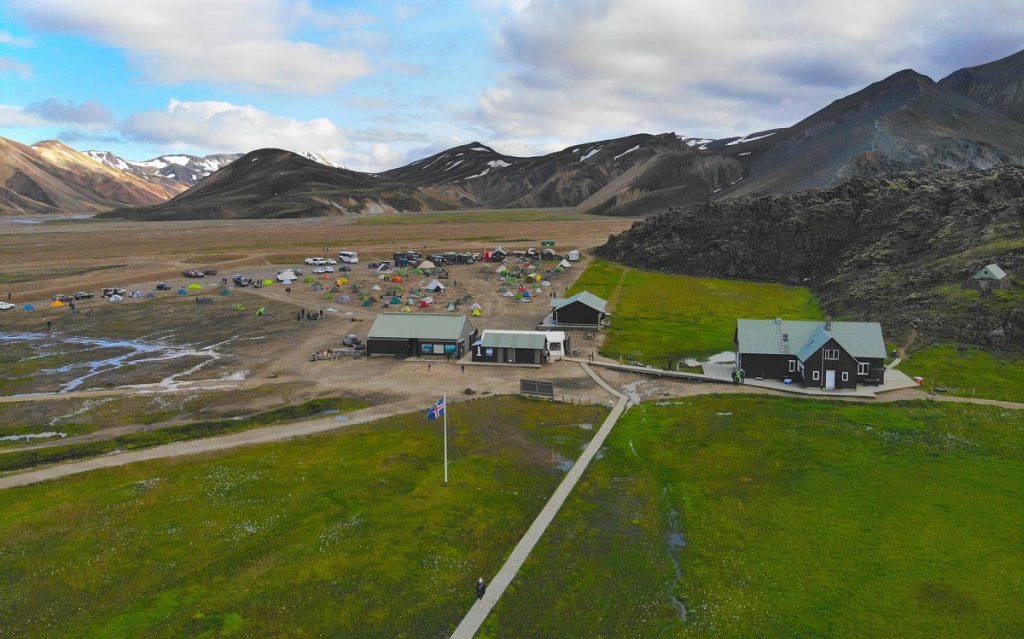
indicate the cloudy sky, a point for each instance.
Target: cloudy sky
{"x":374,"y":84}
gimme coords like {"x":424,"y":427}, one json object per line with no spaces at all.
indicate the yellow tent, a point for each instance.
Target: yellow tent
{"x":56,"y":303}
{"x":341,"y":281}
{"x":477,"y":312}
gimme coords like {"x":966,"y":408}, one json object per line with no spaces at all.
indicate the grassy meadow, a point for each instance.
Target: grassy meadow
{"x":750,"y":516}
{"x":657,"y":317}
{"x":968,"y":372}
{"x":346,"y":534}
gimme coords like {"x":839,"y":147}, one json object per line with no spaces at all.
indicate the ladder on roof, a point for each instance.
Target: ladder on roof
{"x":779,"y":334}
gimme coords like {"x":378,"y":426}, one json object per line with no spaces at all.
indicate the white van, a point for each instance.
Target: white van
{"x":348,"y":257}
{"x":573,"y":256}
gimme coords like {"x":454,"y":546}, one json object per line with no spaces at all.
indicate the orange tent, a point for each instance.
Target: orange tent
{"x":56,"y":303}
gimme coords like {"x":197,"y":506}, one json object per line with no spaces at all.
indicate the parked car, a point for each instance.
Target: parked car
{"x":241,"y":280}
{"x":331,"y":261}
{"x":163,"y":286}
{"x":112,"y":291}
{"x":318,"y":270}
{"x":344,"y":268}
{"x":61,"y":297}
{"x":193,"y":274}
{"x":210,"y":271}
{"x":4,"y":306}
{"x":82,"y":295}
{"x":351,"y":340}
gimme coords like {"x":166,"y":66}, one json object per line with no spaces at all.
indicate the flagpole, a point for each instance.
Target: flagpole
{"x":444,"y":400}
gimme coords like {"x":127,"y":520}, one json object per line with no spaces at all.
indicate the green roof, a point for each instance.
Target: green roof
{"x":443,"y":326}
{"x":990,"y":272}
{"x":585,"y":297}
{"x":818,"y":338}
{"x":535,"y":340}
{"x":859,"y":339}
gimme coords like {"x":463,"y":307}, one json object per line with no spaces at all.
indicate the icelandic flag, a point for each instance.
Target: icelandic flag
{"x":436,"y":411}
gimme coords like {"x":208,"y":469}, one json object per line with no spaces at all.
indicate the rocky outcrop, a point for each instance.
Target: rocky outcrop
{"x":894,"y":249}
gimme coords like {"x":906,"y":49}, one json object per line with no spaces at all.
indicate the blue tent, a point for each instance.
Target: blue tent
{"x":29,"y":307}
{"x":182,"y":291}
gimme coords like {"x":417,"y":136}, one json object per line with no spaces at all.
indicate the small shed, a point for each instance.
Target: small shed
{"x":511,"y":347}
{"x":992,"y":272}
{"x":582,"y":309}
{"x":420,"y":334}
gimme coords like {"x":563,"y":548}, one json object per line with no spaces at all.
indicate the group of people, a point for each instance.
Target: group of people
{"x":303,"y":314}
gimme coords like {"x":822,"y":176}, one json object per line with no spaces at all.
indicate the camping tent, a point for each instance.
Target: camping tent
{"x":182,"y":291}
{"x":194,"y":287}
{"x":475,"y":306}
{"x":237,"y":307}
{"x":28,"y":307}
{"x":367,"y":303}
{"x":428,"y":299}
{"x":116,"y":298}
{"x":425,"y":264}
{"x":424,"y":304}
{"x":316,"y":287}
{"x":341,"y":281}
{"x":502,"y":269}
{"x":477,"y":312}
{"x":287,"y":274}
{"x":137,"y":295}
{"x":308,"y":280}
{"x":396,"y":300}
{"x":56,"y":303}
{"x":375,"y":288}
{"x":435,"y":285}
{"x":545,"y":283}
{"x":406,"y":309}
{"x":397,"y":279}
{"x":267,"y":282}
{"x":564,"y":264}
{"x":508,"y":294}
{"x":344,"y":298}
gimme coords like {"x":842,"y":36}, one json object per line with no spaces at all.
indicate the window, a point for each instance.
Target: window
{"x":863,"y":368}
{"x":846,"y":376}
{"x":815,"y":375}
{"x":831,"y":353}
{"x":792,"y":365}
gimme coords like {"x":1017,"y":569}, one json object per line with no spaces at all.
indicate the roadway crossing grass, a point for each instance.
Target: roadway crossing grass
{"x":657,"y":317}
{"x":347,"y":534}
{"x":968,"y":372}
{"x":786,"y":518}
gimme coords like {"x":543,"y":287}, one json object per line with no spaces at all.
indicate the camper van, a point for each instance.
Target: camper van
{"x":348,"y":257}
{"x":573,"y":256}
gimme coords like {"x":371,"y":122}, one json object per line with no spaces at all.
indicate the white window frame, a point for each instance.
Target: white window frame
{"x":815,"y":376}
{"x":846,"y":376}
{"x":792,"y":366}
{"x":863,"y":368}
{"x":831,"y":354}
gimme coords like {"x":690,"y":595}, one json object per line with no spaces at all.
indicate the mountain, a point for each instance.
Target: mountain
{"x":896,"y":249}
{"x":51,"y":177}
{"x":904,"y":122}
{"x":997,"y":85}
{"x":176,"y":171}
{"x":594,"y":176}
{"x":271,"y":183}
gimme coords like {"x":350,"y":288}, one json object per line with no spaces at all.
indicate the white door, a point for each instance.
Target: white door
{"x":830,"y":380}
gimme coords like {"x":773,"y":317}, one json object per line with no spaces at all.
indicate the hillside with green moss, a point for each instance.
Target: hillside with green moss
{"x":900,"y":250}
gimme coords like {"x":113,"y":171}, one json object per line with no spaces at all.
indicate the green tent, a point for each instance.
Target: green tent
{"x":367,"y":303}
{"x":194,"y":287}
{"x":308,"y":280}
{"x":396,"y":300}
{"x":237,"y":307}
{"x":268,"y":282}
{"x":225,"y":292}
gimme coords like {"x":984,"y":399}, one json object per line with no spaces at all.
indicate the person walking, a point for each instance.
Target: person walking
{"x":463,"y":368}
{"x":481,"y":589}
{"x":321,"y":313}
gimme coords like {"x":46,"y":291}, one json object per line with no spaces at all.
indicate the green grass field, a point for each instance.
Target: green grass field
{"x":657,"y":317}
{"x":769,"y":517}
{"x":968,"y":372}
{"x":347,"y":534}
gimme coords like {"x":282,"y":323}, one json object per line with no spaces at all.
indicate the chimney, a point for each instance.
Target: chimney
{"x":828,"y":322}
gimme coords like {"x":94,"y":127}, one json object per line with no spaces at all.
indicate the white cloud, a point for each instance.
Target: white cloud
{"x":14,"y":116}
{"x":14,"y":41}
{"x":215,"y":126}
{"x":10,"y":65}
{"x":238,"y":42}
{"x":87,"y":113}
{"x":593,"y":68}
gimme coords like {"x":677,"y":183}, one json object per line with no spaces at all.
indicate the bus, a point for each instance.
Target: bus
{"x":348,"y":257}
